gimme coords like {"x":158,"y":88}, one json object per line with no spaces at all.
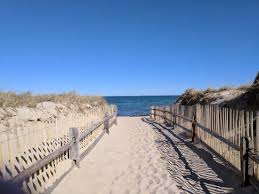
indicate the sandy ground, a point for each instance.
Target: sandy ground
{"x":125,"y":161}
{"x":140,"y":157}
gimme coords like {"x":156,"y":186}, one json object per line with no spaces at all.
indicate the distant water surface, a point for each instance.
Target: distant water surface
{"x":138,"y":105}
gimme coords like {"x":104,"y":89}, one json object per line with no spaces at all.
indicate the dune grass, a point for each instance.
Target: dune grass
{"x":192,"y":96}
{"x":246,"y":96}
{"x":27,"y":99}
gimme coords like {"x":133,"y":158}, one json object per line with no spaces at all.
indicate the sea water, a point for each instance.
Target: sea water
{"x":138,"y":105}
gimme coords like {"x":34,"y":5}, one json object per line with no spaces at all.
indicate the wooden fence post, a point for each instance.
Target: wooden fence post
{"x":171,"y":115}
{"x":194,"y":124}
{"x":106,"y":123}
{"x":246,"y":163}
{"x":75,"y":148}
{"x":116,"y":111}
{"x":151,"y":112}
{"x":257,"y":142}
{"x":154,"y":113}
{"x":164,"y":115}
{"x":174,"y":119}
{"x":242,"y":151}
{"x":116,"y":119}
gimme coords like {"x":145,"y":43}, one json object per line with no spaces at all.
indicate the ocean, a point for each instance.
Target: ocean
{"x":138,"y":105}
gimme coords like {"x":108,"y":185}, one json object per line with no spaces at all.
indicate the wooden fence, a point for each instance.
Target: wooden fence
{"x":233,"y":134}
{"x":37,"y":159}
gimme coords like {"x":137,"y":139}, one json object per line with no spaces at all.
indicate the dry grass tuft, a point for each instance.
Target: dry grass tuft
{"x":190,"y":97}
{"x":244,"y":87}
{"x":224,"y":88}
{"x":215,"y":90}
{"x":14,"y":100}
{"x":210,"y":90}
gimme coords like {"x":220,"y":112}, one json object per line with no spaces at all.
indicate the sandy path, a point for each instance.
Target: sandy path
{"x":126,"y":161}
{"x":143,"y":157}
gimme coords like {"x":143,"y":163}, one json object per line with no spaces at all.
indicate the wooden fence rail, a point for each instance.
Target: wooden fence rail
{"x":222,"y":129}
{"x":37,"y":168}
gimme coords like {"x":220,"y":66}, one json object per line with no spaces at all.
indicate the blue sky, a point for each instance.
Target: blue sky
{"x":127,"y":47}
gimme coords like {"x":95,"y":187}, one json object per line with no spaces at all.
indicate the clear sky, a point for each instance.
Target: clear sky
{"x":127,"y":47}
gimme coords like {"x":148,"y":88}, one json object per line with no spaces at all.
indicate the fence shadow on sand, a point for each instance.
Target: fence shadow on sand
{"x":192,"y":166}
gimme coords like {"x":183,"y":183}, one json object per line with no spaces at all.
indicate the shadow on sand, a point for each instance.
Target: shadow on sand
{"x":192,"y":166}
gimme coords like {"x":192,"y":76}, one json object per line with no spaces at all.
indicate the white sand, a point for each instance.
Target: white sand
{"x":126,"y":161}
{"x":138,"y":157}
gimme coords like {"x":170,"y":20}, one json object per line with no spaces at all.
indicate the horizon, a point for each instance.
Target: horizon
{"x":145,"y":95}
{"x":130,"y":48}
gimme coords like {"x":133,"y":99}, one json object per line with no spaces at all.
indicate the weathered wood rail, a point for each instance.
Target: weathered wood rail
{"x":232,"y":134}
{"x":35,"y":168}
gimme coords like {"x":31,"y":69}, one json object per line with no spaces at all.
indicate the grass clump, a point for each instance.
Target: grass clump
{"x":224,"y":88}
{"x":244,"y":87}
{"x":190,"y":97}
{"x":210,"y":90}
{"x":215,"y":90}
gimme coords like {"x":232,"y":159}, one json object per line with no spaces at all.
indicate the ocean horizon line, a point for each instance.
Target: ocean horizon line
{"x":140,"y":95}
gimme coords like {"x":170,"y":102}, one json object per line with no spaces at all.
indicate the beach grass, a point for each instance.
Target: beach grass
{"x":27,"y":99}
